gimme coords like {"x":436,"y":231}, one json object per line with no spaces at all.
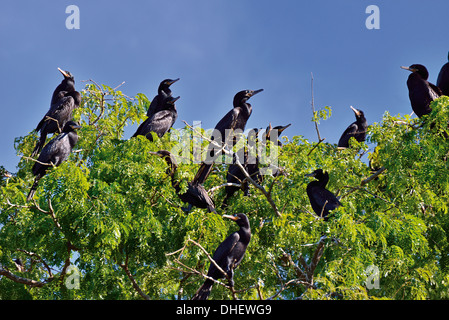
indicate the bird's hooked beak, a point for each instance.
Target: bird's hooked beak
{"x":313,"y":174}
{"x":253,"y":92}
{"x":174,"y":100}
{"x":357,"y":112}
{"x":64,"y":73}
{"x":283,"y":128}
{"x":75,"y":127}
{"x":409,"y":69}
{"x":172,"y":81}
{"x":234,"y":218}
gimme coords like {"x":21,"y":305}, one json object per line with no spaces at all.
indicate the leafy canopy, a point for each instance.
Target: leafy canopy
{"x":111,"y":212}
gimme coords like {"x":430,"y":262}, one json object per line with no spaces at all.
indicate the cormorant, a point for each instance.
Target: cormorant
{"x":54,"y":153}
{"x":235,"y":119}
{"x":235,"y":174}
{"x":357,"y":129}
{"x":64,"y":100}
{"x":443,"y":79}
{"x":228,"y":256}
{"x":163,"y":93}
{"x":421,"y":92}
{"x":195,"y":195}
{"x":160,"y":122}
{"x":278,"y":130}
{"x":321,"y":199}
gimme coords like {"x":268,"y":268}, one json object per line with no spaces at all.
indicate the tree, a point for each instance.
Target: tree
{"x":110,"y":213}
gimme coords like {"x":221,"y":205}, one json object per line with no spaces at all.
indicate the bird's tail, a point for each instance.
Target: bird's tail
{"x":33,"y":189}
{"x":39,"y":145}
{"x":204,"y":291}
{"x":203,"y":172}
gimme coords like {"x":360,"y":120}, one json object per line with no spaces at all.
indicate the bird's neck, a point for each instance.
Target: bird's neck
{"x":73,"y":138}
{"x":246,"y":108}
{"x":245,"y":235}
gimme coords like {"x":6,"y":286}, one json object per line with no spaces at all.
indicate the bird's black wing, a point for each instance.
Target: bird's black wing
{"x":443,"y":79}
{"x":435,"y":92}
{"x":55,"y":152}
{"x":324,"y":197}
{"x":223,"y":252}
{"x":153,"y":106}
{"x":347,"y":134}
{"x":161,"y":122}
{"x":60,"y":111}
{"x":227,"y":122}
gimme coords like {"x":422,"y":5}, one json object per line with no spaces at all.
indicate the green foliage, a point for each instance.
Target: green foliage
{"x":111,"y":212}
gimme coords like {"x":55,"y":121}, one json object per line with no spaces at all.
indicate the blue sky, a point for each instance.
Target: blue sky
{"x":218,"y":48}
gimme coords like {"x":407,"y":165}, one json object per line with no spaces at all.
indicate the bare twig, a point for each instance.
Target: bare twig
{"x":136,"y":287}
{"x":314,"y":113}
{"x":228,"y":184}
{"x":42,"y":163}
{"x":374,"y":176}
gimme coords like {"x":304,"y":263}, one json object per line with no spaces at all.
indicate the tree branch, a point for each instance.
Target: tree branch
{"x":136,"y":287}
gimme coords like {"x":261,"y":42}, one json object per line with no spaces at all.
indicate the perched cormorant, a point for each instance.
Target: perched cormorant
{"x":160,"y":122}
{"x":64,"y":100}
{"x":54,"y":153}
{"x":195,"y":195}
{"x":235,"y":119}
{"x":443,"y":79}
{"x":421,"y":92}
{"x":228,"y":256}
{"x":163,"y":93}
{"x":357,"y":129}
{"x":321,"y":199}
{"x":250,"y":164}
{"x":278,"y":129}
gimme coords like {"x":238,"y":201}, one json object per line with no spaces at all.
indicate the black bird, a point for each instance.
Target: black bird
{"x":163,"y":93}
{"x":278,"y":130}
{"x":160,"y":122}
{"x":54,"y":153}
{"x":321,"y":199}
{"x":195,"y":195}
{"x":250,"y":163}
{"x":443,"y":79}
{"x":357,"y":129}
{"x":64,"y":100}
{"x":235,"y":119}
{"x":421,"y":92}
{"x":228,"y":256}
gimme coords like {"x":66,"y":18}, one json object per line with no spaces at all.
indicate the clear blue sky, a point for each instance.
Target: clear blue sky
{"x":218,"y":48}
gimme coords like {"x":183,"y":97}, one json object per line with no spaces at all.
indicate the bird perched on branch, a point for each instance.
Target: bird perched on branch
{"x":195,"y":195}
{"x":227,"y":256}
{"x":443,"y":79}
{"x":54,"y":153}
{"x":421,"y":92}
{"x":250,"y":163}
{"x":234,"y":120}
{"x":64,"y":100}
{"x":322,"y":200}
{"x":160,"y":122}
{"x":357,"y":129}
{"x":163,"y":93}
